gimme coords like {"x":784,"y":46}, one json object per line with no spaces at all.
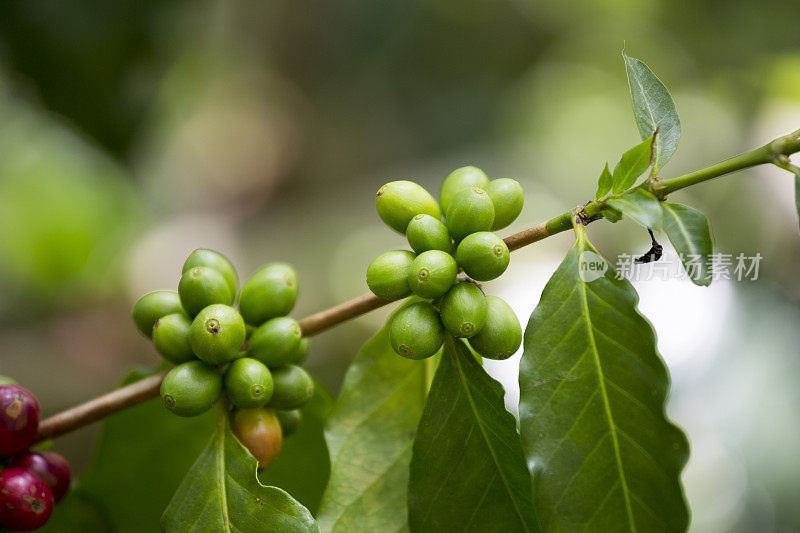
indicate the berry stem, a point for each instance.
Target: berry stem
{"x":774,"y":152}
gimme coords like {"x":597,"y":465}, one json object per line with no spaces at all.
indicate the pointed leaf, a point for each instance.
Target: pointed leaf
{"x":370,"y":433}
{"x":468,"y":470}
{"x":640,"y":205}
{"x":632,"y":164}
{"x":221,"y":493}
{"x":654,"y":110}
{"x":690,"y":233}
{"x":604,"y":183}
{"x":592,"y":419}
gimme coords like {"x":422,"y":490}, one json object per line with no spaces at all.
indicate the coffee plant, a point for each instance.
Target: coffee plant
{"x":419,"y":438}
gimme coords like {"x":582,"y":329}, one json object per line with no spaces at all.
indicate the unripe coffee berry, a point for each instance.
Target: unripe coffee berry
{"x":427,"y":233}
{"x":171,"y":338}
{"x":416,"y":331}
{"x":19,"y":419}
{"x":432,"y":274}
{"x":501,"y":335}
{"x":387,"y":275}
{"x":26,"y":502}
{"x":507,"y":197}
{"x":200,"y":287}
{"x":290,"y":420}
{"x":483,"y":256}
{"x":191,"y":389}
{"x":248,"y":383}
{"x":260,"y":432}
{"x":470,"y":211}
{"x":463,"y":310}
{"x":5,"y":380}
{"x":293,"y":387}
{"x":211,"y":259}
{"x":270,"y":292}
{"x":217,"y":334}
{"x":48,"y":466}
{"x":153,"y":306}
{"x":275,"y":342}
{"x":459,"y":180}
{"x":301,"y":352}
{"x":398,"y":202}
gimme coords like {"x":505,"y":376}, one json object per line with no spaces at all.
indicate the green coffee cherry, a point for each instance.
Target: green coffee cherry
{"x":301,"y":352}
{"x":470,"y":211}
{"x":458,"y":180}
{"x":416,"y":331}
{"x":507,"y":197}
{"x":260,"y":432}
{"x":400,"y":201}
{"x":153,"y":306}
{"x":501,"y":335}
{"x":248,"y":383}
{"x":5,"y":380}
{"x":217,"y":334}
{"x":387,"y":275}
{"x":427,"y":233}
{"x":276,"y":341}
{"x":293,"y":387}
{"x":483,"y":256}
{"x":211,"y":259}
{"x":290,"y":420}
{"x":190,"y":389}
{"x":171,"y":338}
{"x":432,"y":274}
{"x":270,"y":292}
{"x":200,"y":287}
{"x":463,"y":310}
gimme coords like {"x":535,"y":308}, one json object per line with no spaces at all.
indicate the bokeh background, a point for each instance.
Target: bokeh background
{"x":132,"y":132}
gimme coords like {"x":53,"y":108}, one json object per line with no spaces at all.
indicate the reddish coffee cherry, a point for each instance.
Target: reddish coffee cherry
{"x":48,"y":466}
{"x":25,"y":500}
{"x":19,"y":419}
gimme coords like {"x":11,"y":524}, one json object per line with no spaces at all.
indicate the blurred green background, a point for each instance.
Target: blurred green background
{"x":132,"y":132}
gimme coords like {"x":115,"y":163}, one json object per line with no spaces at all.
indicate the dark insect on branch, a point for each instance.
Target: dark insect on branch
{"x":654,"y":253}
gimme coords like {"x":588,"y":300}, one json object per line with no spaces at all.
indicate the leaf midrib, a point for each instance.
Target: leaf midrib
{"x":221,"y":421}
{"x":483,"y":432}
{"x":604,"y":396}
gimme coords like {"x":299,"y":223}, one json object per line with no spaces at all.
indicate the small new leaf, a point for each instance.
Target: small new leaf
{"x":221,"y":493}
{"x":604,"y":183}
{"x":690,"y":233}
{"x":592,"y":395}
{"x":633,"y":164}
{"x":640,"y":205}
{"x":468,"y":470}
{"x":653,"y":110}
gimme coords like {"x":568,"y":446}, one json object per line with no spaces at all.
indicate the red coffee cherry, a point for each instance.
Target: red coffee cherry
{"x":25,"y":500}
{"x":19,"y":419}
{"x":48,"y":466}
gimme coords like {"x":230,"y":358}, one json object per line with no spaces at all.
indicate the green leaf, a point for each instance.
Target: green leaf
{"x":689,"y":232}
{"x":468,"y":470}
{"x":640,"y":205}
{"x":654,"y":110}
{"x":604,"y":183}
{"x":592,"y":397}
{"x":221,"y":493}
{"x":303,"y":467}
{"x":131,"y":479}
{"x":632,"y":164}
{"x":370,"y":433}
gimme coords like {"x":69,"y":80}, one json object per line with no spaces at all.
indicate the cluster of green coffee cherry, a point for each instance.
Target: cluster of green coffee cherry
{"x":251,"y":354}
{"x":473,"y":207}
